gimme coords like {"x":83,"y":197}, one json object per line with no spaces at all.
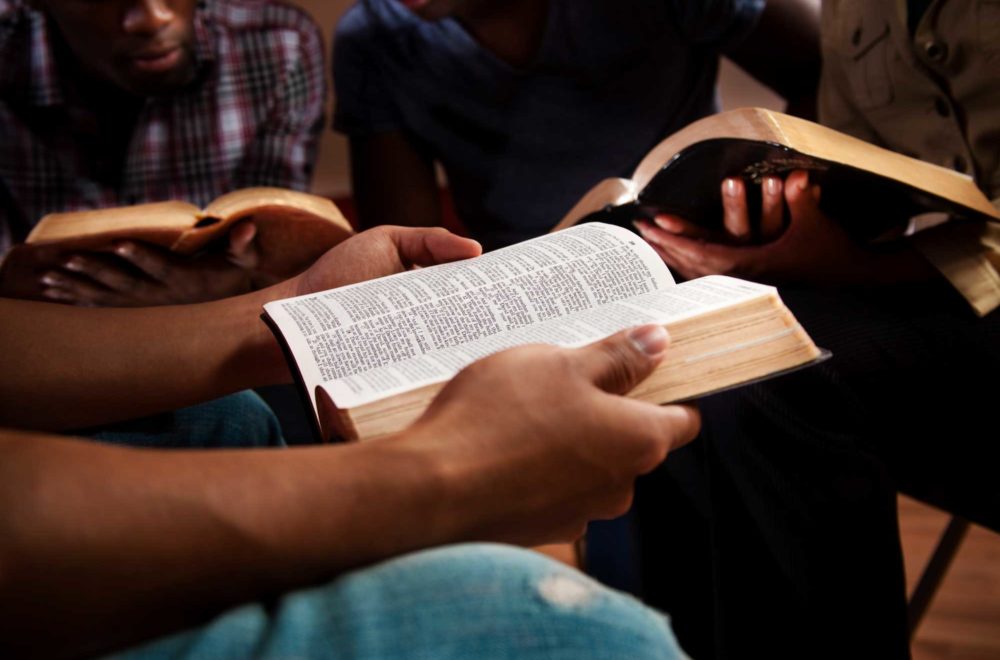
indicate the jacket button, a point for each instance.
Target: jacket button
{"x":936,"y":51}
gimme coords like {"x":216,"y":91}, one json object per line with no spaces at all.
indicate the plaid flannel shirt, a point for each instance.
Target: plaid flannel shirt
{"x":252,"y":117}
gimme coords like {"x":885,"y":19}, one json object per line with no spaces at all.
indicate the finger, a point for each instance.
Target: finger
{"x":710,"y":258}
{"x":620,"y":362}
{"x":664,"y":245}
{"x":58,"y":295}
{"x":681,"y":422}
{"x":679,"y":264}
{"x":802,"y":198}
{"x":103,"y":272}
{"x":679,"y":226}
{"x":148,"y":259}
{"x":693,"y":251}
{"x":616,"y":501}
{"x":735,"y":217}
{"x":656,"y":236}
{"x":64,"y":287}
{"x":651,"y":234}
{"x":242,"y":246}
{"x":772,"y":212}
{"x":426,"y":246}
{"x":674,"y":426}
{"x":658,"y":429}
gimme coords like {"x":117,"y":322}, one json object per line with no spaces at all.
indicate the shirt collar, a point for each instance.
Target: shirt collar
{"x":43,"y":79}
{"x":204,"y":43}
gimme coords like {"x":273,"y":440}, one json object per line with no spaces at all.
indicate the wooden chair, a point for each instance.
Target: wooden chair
{"x":934,"y":571}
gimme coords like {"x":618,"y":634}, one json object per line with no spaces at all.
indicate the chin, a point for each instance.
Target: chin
{"x":163,"y":83}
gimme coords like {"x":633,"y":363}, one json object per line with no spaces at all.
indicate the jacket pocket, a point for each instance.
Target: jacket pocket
{"x":863,"y":44}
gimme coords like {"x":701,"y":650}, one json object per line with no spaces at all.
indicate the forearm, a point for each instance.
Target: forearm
{"x":102,"y":547}
{"x":393,"y":183}
{"x":67,"y":367}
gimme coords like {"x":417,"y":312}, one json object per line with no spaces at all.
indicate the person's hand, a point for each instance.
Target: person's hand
{"x":534,"y":442}
{"x":135,"y":274}
{"x":381,"y":251}
{"x":813,"y":248}
{"x":737,"y":227}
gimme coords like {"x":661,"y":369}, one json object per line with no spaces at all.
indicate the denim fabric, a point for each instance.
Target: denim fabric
{"x":237,"y":420}
{"x":484,"y":602}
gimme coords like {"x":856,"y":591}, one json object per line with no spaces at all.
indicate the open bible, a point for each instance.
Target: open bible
{"x":372,"y":356}
{"x":293,"y":228}
{"x":682,"y":176}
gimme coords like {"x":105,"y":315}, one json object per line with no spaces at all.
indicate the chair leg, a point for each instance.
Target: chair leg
{"x":935,"y":570}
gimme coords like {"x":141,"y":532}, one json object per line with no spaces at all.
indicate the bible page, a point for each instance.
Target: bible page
{"x":415,"y":319}
{"x":668,"y":305}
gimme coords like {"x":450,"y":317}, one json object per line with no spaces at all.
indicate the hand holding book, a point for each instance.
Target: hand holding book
{"x":172,"y":252}
{"x":537,"y":440}
{"x":795,"y":242}
{"x":869,"y":195}
{"x":134,"y":273}
{"x":372,"y":356}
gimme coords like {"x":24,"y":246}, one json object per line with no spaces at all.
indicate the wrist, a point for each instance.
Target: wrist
{"x":413,"y":503}
{"x":258,"y":349}
{"x":464,"y":504}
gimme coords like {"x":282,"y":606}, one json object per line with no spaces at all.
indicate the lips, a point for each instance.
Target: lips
{"x":157,"y":60}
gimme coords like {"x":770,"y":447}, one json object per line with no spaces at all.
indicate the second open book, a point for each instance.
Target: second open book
{"x":873,"y":192}
{"x":372,"y":356}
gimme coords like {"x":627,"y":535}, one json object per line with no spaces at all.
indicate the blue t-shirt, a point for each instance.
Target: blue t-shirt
{"x":521,"y":146}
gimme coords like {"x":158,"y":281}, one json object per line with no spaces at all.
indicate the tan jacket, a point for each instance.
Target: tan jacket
{"x":934,"y":96}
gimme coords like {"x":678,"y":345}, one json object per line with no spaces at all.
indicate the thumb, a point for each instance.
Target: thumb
{"x":620,"y":362}
{"x":242,"y":247}
{"x":426,"y":246}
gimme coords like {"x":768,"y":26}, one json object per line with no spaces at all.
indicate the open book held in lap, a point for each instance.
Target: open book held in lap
{"x":372,"y":356}
{"x":293,"y":228}
{"x":682,"y":175}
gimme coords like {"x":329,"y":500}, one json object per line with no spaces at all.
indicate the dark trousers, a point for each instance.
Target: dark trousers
{"x":775,"y":533}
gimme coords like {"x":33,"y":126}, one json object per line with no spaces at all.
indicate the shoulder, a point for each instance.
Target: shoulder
{"x":19,"y":40}
{"x":368,"y":18}
{"x":722,"y":22}
{"x":15,"y":17}
{"x":8,"y":8}
{"x":263,"y":24}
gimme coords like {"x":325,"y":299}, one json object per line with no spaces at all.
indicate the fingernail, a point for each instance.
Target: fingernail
{"x":74,"y":263}
{"x":51,"y":279}
{"x":650,"y":339}
{"x":55,"y":294}
{"x":773,"y":185}
{"x":668,"y":224}
{"x":640,"y":227}
{"x":731,"y":187}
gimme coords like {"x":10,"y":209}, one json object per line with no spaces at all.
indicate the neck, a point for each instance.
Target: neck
{"x":103,"y":130}
{"x":511,"y":30}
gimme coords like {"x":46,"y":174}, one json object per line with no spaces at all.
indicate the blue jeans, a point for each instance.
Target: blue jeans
{"x":484,"y":602}
{"x":237,"y":420}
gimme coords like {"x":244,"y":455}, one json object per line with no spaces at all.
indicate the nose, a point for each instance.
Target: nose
{"x":147,"y":16}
